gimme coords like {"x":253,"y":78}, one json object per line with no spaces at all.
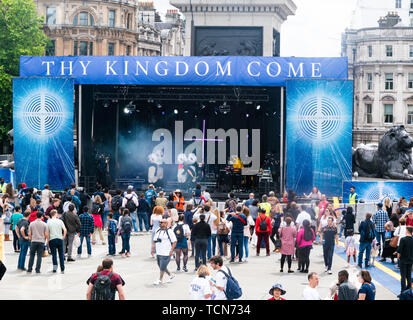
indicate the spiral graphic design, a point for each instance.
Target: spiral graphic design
{"x":319,"y":118}
{"x":43,"y":114}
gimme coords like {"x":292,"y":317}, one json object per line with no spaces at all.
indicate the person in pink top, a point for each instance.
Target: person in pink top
{"x":287,"y":235}
{"x":97,"y":212}
{"x":305,"y":238}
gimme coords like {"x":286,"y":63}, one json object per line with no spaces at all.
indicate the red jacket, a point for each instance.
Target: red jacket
{"x":258,"y":221}
{"x":33,"y":216}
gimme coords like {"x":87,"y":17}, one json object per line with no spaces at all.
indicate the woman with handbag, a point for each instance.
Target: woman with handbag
{"x":222,"y":232}
{"x":388,"y":249}
{"x":288,"y":234}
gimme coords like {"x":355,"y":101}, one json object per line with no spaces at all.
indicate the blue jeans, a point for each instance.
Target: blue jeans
{"x":89,"y":247}
{"x":56,"y":247}
{"x":116,"y":215}
{"x":364,"y":246}
{"x":328,"y":253}
{"x":143,"y":220}
{"x":125,"y":242}
{"x":246,"y":240}
{"x":212,"y":244}
{"x":380,"y":236}
{"x":237,"y":239}
{"x":133,"y":216}
{"x":111,"y":242}
{"x":105,"y":219}
{"x":24,"y":246}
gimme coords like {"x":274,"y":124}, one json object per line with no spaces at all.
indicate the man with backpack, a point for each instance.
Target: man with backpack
{"x":164,"y":241}
{"x":112,"y":230}
{"x":367,"y":235}
{"x":239,"y":220}
{"x":263,"y":230}
{"x":125,"y":229}
{"x":131,"y":203}
{"x":103,"y":285}
{"x":227,"y":287}
{"x":116,"y":204}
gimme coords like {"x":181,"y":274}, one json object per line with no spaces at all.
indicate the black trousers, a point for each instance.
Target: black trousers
{"x":283,"y":257}
{"x":406,"y":276}
{"x":304,"y":257}
{"x":201,"y":246}
{"x":274,"y":232}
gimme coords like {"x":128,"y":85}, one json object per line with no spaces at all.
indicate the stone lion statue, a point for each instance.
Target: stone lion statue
{"x":391,"y":159}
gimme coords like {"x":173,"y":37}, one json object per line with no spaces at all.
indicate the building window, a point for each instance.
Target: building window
{"x":411,"y":51}
{"x":369,"y":81}
{"x":83,"y":19}
{"x":410,"y":114}
{"x":389,"y":81}
{"x":128,"y":21}
{"x":82,"y":48}
{"x":398,"y":4}
{"x":369,"y":113}
{"x":112,"y":18}
{"x":410,"y":81}
{"x":389,"y":51}
{"x":111,"y":49}
{"x":128,"y":50}
{"x":388,"y":113}
{"x":370,"y":49}
{"x":50,"y":49}
{"x":51,"y":15}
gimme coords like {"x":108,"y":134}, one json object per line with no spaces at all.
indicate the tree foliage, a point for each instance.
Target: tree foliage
{"x":21,"y":34}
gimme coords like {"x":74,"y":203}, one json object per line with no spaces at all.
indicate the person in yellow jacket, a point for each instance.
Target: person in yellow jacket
{"x":3,"y":185}
{"x":353,"y":197}
{"x":265,"y":205}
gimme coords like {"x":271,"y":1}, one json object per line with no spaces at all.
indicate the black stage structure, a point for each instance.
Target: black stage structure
{"x":114,"y":143}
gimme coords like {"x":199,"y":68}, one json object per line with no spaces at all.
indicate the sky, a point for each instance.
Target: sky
{"x":314,"y":31}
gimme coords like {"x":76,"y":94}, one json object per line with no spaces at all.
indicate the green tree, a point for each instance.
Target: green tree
{"x":21,"y":34}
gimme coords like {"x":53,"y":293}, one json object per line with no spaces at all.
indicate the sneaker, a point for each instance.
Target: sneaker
{"x":89,"y":256}
{"x":360,"y":266}
{"x":62,"y":272}
{"x":326,"y":269}
{"x":281,"y":270}
{"x":185,"y":269}
{"x":231,"y":261}
{"x":245,"y":259}
{"x":170,"y":278}
{"x":330,"y":272}
{"x":157,"y":282}
{"x":178,"y":269}
{"x":258,"y":254}
{"x":123,"y":255}
{"x":70,"y":260}
{"x":290,"y":271}
{"x":78,"y":256}
{"x":128,"y":254}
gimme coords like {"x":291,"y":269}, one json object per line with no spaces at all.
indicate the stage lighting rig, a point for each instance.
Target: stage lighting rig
{"x":225,"y":108}
{"x":129,"y":108}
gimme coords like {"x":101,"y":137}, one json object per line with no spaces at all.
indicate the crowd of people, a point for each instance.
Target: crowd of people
{"x":48,"y":223}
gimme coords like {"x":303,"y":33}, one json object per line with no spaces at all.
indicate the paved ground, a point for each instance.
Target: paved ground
{"x":139,"y":271}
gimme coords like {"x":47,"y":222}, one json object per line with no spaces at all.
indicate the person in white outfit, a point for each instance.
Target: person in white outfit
{"x":200,"y":288}
{"x":47,"y":196}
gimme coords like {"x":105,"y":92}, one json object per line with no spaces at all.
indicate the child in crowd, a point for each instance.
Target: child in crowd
{"x":112,"y":230}
{"x":350,"y":247}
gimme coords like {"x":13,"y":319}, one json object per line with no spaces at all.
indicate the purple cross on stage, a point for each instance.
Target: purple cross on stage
{"x":203,"y":140}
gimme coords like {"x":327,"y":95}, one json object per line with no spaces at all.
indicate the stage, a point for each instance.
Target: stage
{"x":172,"y":122}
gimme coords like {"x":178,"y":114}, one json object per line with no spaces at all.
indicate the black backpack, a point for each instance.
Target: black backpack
{"x":95,"y":208}
{"x":179,"y":232}
{"x":116,"y":202}
{"x":263,"y":224}
{"x":371,"y":232}
{"x":130,"y":205}
{"x":101,"y":288}
{"x":126,"y":224}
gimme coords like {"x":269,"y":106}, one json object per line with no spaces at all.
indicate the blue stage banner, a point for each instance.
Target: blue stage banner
{"x":319,"y":135}
{"x":127,"y":70}
{"x":377,"y":191}
{"x":43,"y":132}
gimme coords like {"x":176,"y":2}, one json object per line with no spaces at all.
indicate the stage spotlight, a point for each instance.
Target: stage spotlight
{"x":224,"y":108}
{"x":106,"y":104}
{"x":176,"y":111}
{"x":163,"y":112}
{"x":186,"y":111}
{"x":126,"y":110}
{"x":159,"y":105}
{"x":258,"y":107}
{"x":202,"y":106}
{"x":150,"y":100}
{"x":247,"y":115}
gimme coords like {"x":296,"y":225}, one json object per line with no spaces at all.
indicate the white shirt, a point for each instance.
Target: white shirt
{"x":163,"y":248}
{"x":401,"y":232}
{"x":310,"y":294}
{"x":200,"y":287}
{"x":129,"y":196}
{"x":209,"y":218}
{"x":301,"y":217}
{"x":221,"y":281}
{"x":206,"y":195}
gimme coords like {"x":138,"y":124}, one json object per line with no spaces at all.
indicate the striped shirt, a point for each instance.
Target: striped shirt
{"x":380,"y":218}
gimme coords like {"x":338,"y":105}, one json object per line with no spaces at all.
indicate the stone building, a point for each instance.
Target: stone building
{"x":172,"y":34}
{"x":98,"y":27}
{"x":381,"y":64}
{"x":233,"y":27}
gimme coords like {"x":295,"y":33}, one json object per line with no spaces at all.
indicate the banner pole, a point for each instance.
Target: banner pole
{"x":79,"y":134}
{"x":282,"y":142}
